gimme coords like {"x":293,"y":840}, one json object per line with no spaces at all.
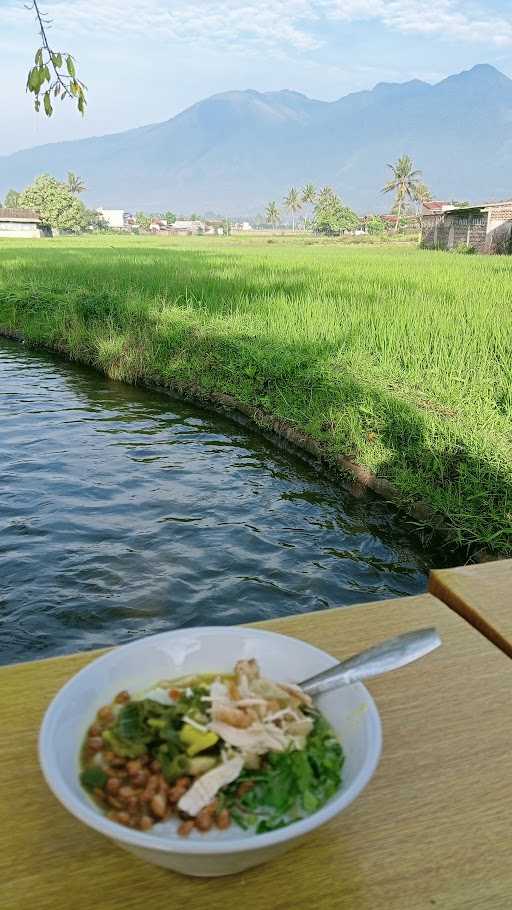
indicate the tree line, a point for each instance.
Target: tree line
{"x":329,"y":215}
{"x":60,"y":208}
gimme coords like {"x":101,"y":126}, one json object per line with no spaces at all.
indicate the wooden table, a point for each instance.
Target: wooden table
{"x":432,"y":830}
{"x":482,"y":594}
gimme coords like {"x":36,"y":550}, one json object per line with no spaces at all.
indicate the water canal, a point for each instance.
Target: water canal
{"x":125,"y":513}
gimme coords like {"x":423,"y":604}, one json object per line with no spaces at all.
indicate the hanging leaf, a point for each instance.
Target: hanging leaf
{"x":70,"y":66}
{"x":33,"y":80}
{"x":56,"y":60}
{"x":48,"y":109}
{"x":38,"y":59}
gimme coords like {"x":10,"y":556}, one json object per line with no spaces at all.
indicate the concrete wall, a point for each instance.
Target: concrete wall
{"x":467,"y":230}
{"x":451,"y":230}
{"x":441,"y":233}
{"x":430,"y":231}
{"x":478,"y":233}
{"x":22,"y":229}
{"x":499,"y":235}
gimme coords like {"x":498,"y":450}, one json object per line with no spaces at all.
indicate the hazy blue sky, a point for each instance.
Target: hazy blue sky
{"x":145,"y":60}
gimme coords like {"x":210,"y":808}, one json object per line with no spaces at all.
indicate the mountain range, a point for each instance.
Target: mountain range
{"x":235,"y":151}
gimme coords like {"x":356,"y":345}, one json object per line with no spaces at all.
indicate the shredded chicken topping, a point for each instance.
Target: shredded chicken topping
{"x":252,"y":715}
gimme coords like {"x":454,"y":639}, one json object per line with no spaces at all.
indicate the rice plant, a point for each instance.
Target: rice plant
{"x":398,"y":357}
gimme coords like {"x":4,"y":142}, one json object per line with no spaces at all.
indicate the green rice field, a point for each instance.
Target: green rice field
{"x":398,"y":357}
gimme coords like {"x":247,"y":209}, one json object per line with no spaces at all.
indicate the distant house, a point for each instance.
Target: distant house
{"x":487,"y":227}
{"x":215,"y":226}
{"x":24,"y":223}
{"x":188,"y":227}
{"x":158,"y":226}
{"x":117,"y":219}
{"x":435,"y":207}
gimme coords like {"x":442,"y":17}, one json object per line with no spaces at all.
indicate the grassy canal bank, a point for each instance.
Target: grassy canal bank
{"x":398,"y":358}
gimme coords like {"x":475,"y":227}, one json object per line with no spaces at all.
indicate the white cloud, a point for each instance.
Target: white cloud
{"x":454,"y":19}
{"x":298,"y":24}
{"x":278,"y":22}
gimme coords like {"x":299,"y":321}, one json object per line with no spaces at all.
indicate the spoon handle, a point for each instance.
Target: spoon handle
{"x":389,"y":655}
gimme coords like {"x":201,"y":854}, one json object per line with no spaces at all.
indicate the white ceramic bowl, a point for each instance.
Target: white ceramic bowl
{"x":350,"y":710}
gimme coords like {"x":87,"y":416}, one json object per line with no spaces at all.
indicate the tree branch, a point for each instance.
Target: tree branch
{"x":47,"y":78}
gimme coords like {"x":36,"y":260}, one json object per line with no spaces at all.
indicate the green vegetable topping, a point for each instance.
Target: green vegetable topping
{"x":173,"y":766}
{"x":130,"y":722}
{"x":123,"y":747}
{"x":290,"y":785}
{"x":93,"y":777}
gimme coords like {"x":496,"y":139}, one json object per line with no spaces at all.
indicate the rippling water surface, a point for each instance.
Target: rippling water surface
{"x":124,"y":513}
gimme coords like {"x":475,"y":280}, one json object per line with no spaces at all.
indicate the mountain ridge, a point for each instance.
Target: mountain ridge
{"x":235,"y":150}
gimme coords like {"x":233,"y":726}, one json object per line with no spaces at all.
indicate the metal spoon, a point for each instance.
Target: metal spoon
{"x":389,"y":655}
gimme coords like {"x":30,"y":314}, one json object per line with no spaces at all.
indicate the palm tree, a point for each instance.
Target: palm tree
{"x":272,"y":214}
{"x":422,"y":195}
{"x":325,"y":193}
{"x":75,"y":184}
{"x":403,"y":184}
{"x":308,"y":198}
{"x":293,"y":203}
{"x":309,"y":194}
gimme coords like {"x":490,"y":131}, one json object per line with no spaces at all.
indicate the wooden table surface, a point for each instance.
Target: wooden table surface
{"x":482,"y":594}
{"x":432,"y":830}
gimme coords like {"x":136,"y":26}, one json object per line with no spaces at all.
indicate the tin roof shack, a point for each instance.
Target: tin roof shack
{"x":486,"y":228}
{"x":22,"y":223}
